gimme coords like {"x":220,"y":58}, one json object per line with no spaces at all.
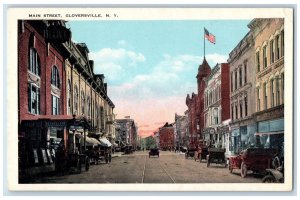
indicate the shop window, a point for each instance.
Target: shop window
{"x":55,"y":105}
{"x":33,"y":99}
{"x":34,"y":62}
{"x":55,"y":77}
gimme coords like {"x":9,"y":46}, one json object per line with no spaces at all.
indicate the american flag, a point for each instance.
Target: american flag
{"x":210,"y":37}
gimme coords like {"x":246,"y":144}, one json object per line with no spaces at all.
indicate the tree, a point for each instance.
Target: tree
{"x":150,"y":142}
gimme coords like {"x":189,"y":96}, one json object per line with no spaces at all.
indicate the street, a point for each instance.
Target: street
{"x":170,"y":167}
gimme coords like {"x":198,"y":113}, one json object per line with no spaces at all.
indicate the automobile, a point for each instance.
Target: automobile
{"x":255,"y":159}
{"x":154,"y":152}
{"x":201,"y":153}
{"x":217,"y":156}
{"x":190,"y":152}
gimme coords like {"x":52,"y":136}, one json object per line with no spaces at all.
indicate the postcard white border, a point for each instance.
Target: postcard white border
{"x":13,"y":14}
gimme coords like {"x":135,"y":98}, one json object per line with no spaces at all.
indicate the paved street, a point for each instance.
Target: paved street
{"x":170,"y":167}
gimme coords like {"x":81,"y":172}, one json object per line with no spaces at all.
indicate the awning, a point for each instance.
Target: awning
{"x":269,"y":133}
{"x":104,"y":142}
{"x":88,"y":140}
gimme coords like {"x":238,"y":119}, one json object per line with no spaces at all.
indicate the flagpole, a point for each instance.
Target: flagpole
{"x":204,"y":41}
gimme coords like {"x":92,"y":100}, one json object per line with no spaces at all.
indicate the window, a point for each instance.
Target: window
{"x":55,"y":77}
{"x":277,"y":46}
{"x":55,"y":105}
{"x":241,"y":76}
{"x":245,"y":72}
{"x":272,"y":92}
{"x":89,"y":106}
{"x":282,"y":87}
{"x":235,"y":79}
{"x":257,"y":61}
{"x":246,"y":106}
{"x":241,"y":110}
{"x":282,"y":43}
{"x":258,"y":99}
{"x":33,"y":99}
{"x":236,"y":111}
{"x":265,"y":96}
{"x":34,"y":62}
{"x":76,"y":96}
{"x":232,"y":114}
{"x":272,"y":51}
{"x":216,"y":117}
{"x":231,"y":81}
{"x":82,"y":102}
{"x":277,"y":91}
{"x":69,"y":94}
{"x":265,"y":56}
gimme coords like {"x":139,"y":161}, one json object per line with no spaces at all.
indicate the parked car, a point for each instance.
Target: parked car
{"x":201,"y":153}
{"x":217,"y":156}
{"x":254,"y":159}
{"x":154,"y":152}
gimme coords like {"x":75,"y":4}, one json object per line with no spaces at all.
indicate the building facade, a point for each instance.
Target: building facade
{"x":216,"y":106}
{"x":126,"y":132}
{"x":195,"y":105}
{"x":59,"y":95}
{"x":268,"y":37}
{"x":180,"y":130}
{"x":166,"y":137}
{"x":242,"y":87}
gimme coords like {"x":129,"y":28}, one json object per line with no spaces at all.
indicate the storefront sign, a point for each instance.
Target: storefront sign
{"x":57,"y":34}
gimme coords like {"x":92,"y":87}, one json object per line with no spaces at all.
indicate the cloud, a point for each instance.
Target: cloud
{"x":114,"y":63}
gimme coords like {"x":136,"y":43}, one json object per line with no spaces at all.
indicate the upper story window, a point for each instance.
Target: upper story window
{"x":55,"y":105}
{"x":272,"y":51}
{"x":88,"y":106}
{"x":34,"y":62}
{"x":231,"y":81}
{"x":69,"y":95}
{"x":82,"y":102}
{"x":241,"y":76}
{"x":235,"y":79}
{"x":282,"y":43}
{"x":33,"y":99}
{"x":76,"y":96}
{"x":55,"y":77}
{"x":245,"y":72}
{"x":257,"y":61}
{"x":216,"y":116}
{"x":265,"y":59}
{"x":277,"y":46}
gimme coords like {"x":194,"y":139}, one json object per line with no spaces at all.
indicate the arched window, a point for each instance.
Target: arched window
{"x":55,"y":77}
{"x":76,"y":94}
{"x":82,"y":102}
{"x":69,"y":95}
{"x":34,"y":62}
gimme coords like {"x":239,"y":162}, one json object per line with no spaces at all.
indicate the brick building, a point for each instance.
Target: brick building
{"x":51,"y":110}
{"x":216,"y":106}
{"x":195,"y":105}
{"x":126,"y":132}
{"x":166,"y":137}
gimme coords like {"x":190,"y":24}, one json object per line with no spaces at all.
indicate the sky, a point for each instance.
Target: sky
{"x":151,"y":66}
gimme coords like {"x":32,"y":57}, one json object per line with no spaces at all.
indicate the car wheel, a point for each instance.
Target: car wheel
{"x":243,"y":170}
{"x":269,"y":179}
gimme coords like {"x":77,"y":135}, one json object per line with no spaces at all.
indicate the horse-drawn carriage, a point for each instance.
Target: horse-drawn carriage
{"x":254,"y":159}
{"x":217,"y":156}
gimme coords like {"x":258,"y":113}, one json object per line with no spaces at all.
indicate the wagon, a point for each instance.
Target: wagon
{"x":217,"y":156}
{"x":255,"y":159}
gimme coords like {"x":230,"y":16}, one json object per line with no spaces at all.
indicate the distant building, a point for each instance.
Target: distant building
{"x":126,"y":132}
{"x":180,"y":130}
{"x":166,"y":137}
